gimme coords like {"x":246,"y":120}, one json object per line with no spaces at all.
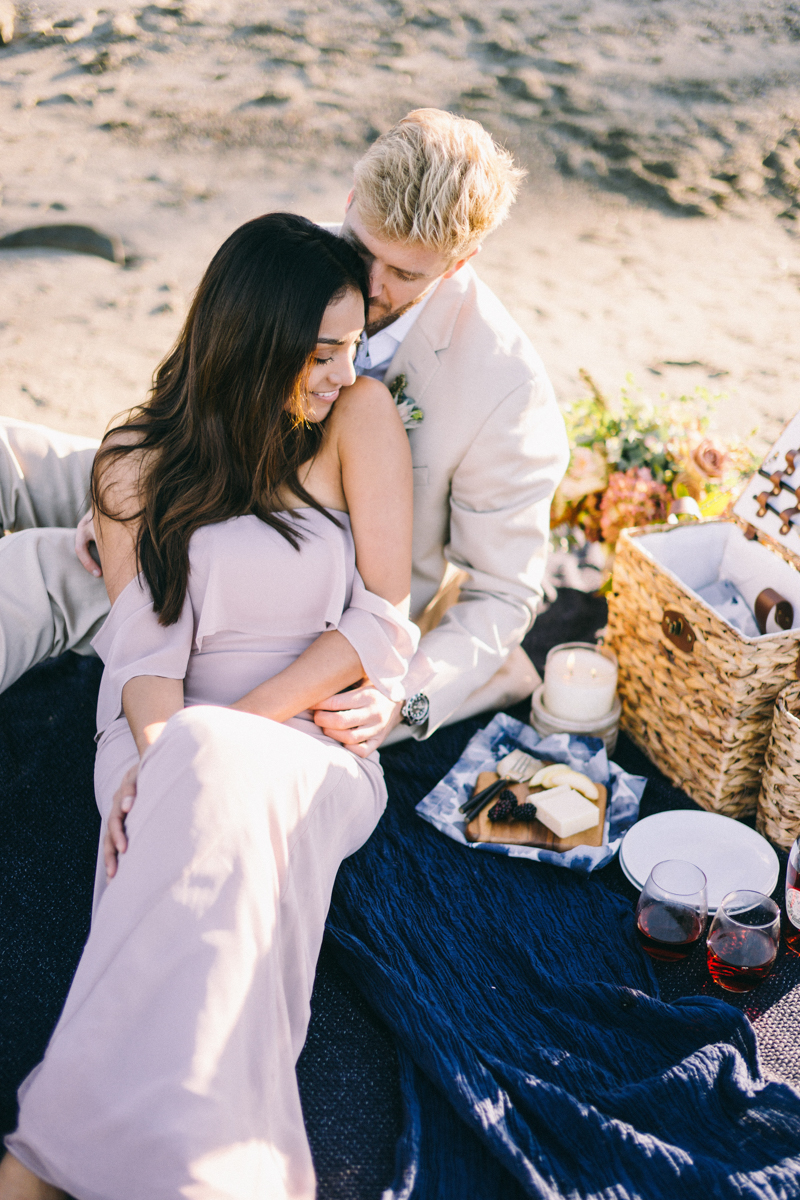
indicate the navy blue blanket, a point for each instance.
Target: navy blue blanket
{"x":505,"y":1018}
{"x":517,"y":991}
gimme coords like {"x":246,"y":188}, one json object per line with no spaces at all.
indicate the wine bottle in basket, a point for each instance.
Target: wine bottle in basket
{"x":792,"y":922}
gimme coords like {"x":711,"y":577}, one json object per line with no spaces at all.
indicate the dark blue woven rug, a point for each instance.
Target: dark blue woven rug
{"x":350,"y":1072}
{"x":518,"y":992}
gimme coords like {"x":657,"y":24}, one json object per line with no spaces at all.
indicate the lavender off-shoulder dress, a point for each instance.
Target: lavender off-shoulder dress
{"x":171,"y":1072}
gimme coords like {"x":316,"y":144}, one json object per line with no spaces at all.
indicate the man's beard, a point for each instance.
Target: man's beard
{"x":373,"y":327}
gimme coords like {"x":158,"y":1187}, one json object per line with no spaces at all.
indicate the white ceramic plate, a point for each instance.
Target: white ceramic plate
{"x":731,"y":854}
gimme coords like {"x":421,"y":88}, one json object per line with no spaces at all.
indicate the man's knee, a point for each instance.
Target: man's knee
{"x":44,"y":475}
{"x":48,"y":603}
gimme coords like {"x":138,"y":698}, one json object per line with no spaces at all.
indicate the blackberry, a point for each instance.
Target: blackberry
{"x":505,"y":807}
{"x":525,"y":812}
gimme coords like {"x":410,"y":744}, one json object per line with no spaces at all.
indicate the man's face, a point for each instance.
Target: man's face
{"x":400,"y":273}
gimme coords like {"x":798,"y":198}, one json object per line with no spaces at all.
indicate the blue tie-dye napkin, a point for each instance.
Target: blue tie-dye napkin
{"x":502,"y":735}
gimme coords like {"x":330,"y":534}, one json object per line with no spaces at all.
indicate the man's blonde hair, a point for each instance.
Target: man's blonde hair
{"x":437,"y":180}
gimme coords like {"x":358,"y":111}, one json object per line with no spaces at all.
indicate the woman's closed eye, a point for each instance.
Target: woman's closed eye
{"x":353,"y":351}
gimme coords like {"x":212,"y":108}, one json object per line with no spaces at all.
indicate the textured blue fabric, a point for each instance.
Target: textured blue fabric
{"x":48,"y":839}
{"x":536,"y":1058}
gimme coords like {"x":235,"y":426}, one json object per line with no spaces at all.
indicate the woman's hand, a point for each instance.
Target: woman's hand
{"x":116,"y":842}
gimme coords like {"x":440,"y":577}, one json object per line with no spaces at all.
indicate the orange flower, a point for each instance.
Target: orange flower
{"x":709,"y":459}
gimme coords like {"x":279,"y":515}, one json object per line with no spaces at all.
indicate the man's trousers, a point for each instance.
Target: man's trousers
{"x":48,"y":602}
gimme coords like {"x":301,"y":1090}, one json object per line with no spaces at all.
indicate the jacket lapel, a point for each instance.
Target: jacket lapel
{"x":416,"y":355}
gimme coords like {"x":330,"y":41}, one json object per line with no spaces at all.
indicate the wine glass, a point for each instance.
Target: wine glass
{"x":743,"y":940}
{"x":672,"y":910}
{"x":792,"y":927}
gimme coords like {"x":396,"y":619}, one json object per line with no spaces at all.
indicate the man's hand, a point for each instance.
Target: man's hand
{"x":84,"y":534}
{"x":359,"y":719}
{"x":116,"y":842}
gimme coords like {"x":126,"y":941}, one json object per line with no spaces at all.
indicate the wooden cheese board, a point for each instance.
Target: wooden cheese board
{"x":523,"y":833}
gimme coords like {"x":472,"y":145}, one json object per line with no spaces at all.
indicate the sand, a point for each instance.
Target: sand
{"x":656,"y":233}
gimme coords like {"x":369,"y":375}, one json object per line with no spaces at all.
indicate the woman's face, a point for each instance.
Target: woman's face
{"x":332,"y":364}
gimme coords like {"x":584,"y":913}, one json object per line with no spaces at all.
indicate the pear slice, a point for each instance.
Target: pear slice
{"x":559,"y":774}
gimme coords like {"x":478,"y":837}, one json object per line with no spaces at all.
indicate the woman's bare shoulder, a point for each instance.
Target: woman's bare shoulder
{"x":367,"y":403}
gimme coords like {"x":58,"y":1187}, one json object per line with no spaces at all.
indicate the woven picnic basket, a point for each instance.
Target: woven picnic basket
{"x":778,"y":816}
{"x":697,"y":696}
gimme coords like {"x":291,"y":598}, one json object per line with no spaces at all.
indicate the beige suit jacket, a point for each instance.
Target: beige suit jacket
{"x":488,"y":456}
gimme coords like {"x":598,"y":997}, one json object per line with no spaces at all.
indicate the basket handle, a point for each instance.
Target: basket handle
{"x":677,"y":630}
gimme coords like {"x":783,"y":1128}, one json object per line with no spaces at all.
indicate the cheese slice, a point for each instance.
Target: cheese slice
{"x":565,"y":811}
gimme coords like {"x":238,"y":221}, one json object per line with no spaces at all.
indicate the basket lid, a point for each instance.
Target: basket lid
{"x":770,"y":502}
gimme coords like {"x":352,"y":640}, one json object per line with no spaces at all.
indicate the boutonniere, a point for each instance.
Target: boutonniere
{"x":410,"y":412}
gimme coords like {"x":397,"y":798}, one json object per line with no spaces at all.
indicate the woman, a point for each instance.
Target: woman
{"x":232,"y":511}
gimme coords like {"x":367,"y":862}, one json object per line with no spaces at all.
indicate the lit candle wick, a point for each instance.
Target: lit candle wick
{"x":570,"y":665}
{"x":593,"y":672}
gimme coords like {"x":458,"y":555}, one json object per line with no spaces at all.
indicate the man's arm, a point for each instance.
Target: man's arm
{"x":499,"y":534}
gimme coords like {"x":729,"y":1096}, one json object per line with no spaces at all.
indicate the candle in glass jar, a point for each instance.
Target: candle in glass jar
{"x":579,"y":683}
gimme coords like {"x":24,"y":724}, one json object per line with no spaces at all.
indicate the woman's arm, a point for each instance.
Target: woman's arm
{"x":329,"y":665}
{"x":375,"y":462}
{"x":148,"y":701}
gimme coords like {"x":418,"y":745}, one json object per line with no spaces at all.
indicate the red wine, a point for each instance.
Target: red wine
{"x":738,"y":959}
{"x":668,"y":932}
{"x":791,"y":925}
{"x":791,"y":935}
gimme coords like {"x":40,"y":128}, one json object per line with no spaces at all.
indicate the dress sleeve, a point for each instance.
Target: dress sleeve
{"x":132,"y":642}
{"x":384,"y":640}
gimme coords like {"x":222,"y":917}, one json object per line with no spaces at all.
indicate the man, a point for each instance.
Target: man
{"x":488,"y":453}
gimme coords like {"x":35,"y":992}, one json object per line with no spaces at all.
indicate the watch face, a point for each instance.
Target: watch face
{"x":416,"y":708}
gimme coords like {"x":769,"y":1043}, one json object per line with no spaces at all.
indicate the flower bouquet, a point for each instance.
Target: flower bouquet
{"x":637,"y":464}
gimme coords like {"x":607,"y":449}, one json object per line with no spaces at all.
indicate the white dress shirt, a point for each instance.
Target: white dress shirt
{"x":376,"y":353}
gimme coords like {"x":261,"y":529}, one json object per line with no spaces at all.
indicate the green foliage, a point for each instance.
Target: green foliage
{"x":637,"y":433}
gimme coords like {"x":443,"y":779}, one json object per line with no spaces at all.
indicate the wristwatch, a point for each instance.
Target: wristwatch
{"x":415,"y":710}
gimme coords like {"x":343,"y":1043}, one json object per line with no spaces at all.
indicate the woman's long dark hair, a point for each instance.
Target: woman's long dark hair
{"x":223,"y":432}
